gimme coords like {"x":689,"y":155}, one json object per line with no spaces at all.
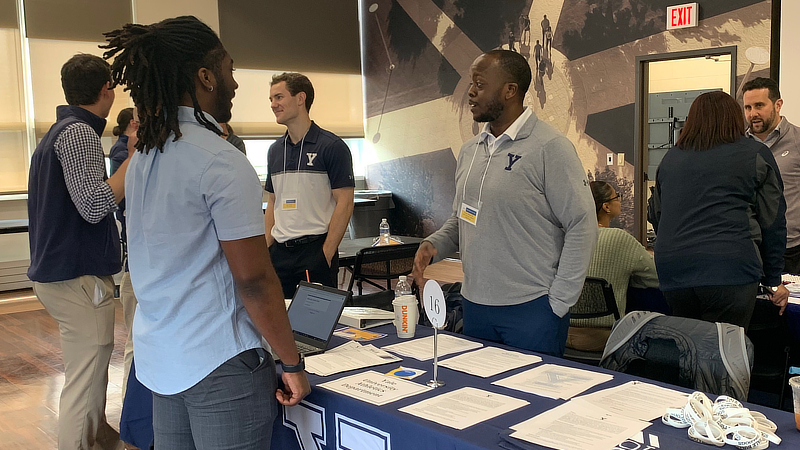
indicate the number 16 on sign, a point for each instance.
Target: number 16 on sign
{"x":433,"y":301}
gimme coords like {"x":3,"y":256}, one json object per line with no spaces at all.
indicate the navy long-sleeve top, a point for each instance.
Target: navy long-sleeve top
{"x":117,"y":155}
{"x":722,"y":217}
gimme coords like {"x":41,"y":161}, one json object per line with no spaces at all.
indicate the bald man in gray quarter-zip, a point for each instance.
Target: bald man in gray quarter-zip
{"x":523,"y":216}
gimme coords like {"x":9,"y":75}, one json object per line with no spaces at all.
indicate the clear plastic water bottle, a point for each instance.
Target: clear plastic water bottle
{"x":384,"y":232}
{"x":406,"y":310}
{"x":403,"y":287}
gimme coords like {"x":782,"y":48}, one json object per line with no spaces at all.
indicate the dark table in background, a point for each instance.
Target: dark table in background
{"x":13,"y":226}
{"x":349,"y":247}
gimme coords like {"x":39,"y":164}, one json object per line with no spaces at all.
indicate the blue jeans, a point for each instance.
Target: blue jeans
{"x":531,"y":325}
{"x":234,"y":407}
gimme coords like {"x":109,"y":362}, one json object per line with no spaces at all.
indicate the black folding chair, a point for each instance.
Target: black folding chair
{"x":772,"y":347}
{"x":380,"y":300}
{"x":596,"y":300}
{"x":382,"y":263}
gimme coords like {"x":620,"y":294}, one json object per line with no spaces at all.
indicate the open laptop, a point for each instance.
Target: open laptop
{"x":313,"y":314}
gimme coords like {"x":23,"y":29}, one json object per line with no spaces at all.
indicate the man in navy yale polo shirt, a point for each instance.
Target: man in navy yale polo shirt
{"x":310,"y":188}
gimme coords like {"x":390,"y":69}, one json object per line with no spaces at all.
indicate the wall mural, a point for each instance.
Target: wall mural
{"x":582,"y":54}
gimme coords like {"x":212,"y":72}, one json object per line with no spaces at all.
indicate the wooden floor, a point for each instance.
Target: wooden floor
{"x":32,"y":375}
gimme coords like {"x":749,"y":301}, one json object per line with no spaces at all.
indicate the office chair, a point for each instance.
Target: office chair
{"x":382,"y":263}
{"x":705,"y":356}
{"x":596,"y":300}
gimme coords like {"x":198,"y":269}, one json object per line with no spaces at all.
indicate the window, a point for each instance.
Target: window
{"x":13,"y":129}
{"x":361,"y":149}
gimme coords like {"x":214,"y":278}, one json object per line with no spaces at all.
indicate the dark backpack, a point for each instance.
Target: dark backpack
{"x":454,"y":317}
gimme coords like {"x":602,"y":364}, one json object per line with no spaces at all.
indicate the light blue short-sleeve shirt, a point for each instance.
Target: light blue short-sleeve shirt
{"x":180,"y":204}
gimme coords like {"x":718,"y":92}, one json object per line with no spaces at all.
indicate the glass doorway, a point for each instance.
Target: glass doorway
{"x":667,"y":84}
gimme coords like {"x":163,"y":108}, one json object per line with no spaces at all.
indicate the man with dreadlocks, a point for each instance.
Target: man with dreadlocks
{"x":198,"y":257}
{"x":75,"y":247}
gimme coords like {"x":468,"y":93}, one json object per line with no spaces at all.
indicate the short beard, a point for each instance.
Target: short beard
{"x":222,"y":108}
{"x":493,"y":112}
{"x":767,"y":124}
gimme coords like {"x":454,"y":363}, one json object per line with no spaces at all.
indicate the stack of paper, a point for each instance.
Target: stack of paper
{"x":550,"y":380}
{"x":361,"y":317}
{"x":463,"y":407}
{"x":422,"y":348}
{"x":578,"y":425}
{"x":349,"y":356}
{"x":373,"y":387}
{"x":489,"y":361}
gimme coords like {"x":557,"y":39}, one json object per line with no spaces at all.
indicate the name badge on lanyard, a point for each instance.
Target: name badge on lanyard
{"x":289,"y":204}
{"x":469,"y":213}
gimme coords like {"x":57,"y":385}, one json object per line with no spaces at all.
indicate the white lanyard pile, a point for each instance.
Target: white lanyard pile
{"x":724,"y":421}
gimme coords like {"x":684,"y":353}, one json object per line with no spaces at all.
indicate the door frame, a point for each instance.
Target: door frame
{"x":640,"y":119}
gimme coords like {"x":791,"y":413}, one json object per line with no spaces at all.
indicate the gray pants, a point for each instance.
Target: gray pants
{"x":233,"y":407}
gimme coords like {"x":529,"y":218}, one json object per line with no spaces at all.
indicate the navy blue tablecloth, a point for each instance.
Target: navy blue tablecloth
{"x":327,"y":420}
{"x":136,"y":422}
{"x":792,"y":314}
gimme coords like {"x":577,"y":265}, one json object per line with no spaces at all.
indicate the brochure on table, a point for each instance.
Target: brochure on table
{"x":375,"y":388}
{"x":489,"y":361}
{"x":349,"y":356}
{"x":356,"y":334}
{"x":464,"y":407}
{"x":636,"y":399}
{"x":422,"y":348}
{"x":550,"y":380}
{"x":578,"y":425}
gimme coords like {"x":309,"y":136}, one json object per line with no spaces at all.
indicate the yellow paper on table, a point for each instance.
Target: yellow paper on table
{"x":357,"y":334}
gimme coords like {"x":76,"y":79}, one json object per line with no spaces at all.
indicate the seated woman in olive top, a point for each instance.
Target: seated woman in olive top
{"x":619,"y":259}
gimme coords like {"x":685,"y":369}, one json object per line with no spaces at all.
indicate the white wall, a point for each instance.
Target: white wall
{"x":790,"y":64}
{"x":690,"y":74}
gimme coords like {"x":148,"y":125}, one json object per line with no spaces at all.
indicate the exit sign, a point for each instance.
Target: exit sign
{"x":682,"y":16}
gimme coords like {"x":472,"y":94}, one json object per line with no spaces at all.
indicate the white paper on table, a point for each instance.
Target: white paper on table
{"x":349,"y":345}
{"x":375,"y":388}
{"x":550,"y":380}
{"x":791,"y":282}
{"x":489,"y":361}
{"x":578,"y":425}
{"x":422,"y":348}
{"x":463,"y":407}
{"x":636,"y":399}
{"x":348,"y":357}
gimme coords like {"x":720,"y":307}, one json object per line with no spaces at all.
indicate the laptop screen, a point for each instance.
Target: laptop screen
{"x":315,"y":310}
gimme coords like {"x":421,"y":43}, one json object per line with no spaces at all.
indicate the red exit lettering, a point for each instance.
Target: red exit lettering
{"x":681,"y":16}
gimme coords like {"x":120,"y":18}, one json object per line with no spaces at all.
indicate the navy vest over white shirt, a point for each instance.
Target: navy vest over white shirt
{"x":63,"y":245}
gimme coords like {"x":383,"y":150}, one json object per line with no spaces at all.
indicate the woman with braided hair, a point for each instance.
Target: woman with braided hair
{"x":198,"y":257}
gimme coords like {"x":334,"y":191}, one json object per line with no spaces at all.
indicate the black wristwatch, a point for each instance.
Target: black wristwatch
{"x":294,"y":368}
